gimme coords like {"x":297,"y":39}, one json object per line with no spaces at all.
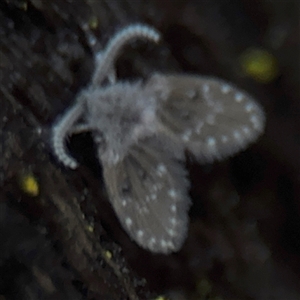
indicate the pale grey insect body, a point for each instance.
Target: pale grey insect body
{"x":142,"y":129}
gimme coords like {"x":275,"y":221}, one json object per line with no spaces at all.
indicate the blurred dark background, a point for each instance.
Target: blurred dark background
{"x":59,"y":237}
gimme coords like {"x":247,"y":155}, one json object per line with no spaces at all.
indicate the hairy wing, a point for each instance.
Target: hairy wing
{"x":148,"y":190}
{"x":212,"y":118}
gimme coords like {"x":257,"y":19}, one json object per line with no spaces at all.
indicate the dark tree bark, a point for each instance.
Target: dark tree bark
{"x":59,"y":237}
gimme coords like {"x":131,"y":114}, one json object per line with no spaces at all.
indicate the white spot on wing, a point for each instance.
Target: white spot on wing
{"x":249,"y":107}
{"x":238,"y":97}
{"x":225,"y":89}
{"x":211,"y":142}
{"x":114,"y":158}
{"x":199,"y":127}
{"x":224,"y":138}
{"x":210,"y":119}
{"x":206,"y":88}
{"x":152,"y":241}
{"x":246,"y":129}
{"x":173,"y":221}
{"x":170,"y":244}
{"x":163,"y":243}
{"x":191,"y":94}
{"x":140,"y":233}
{"x":155,"y":188}
{"x":173,"y":208}
{"x":172,"y":193}
{"x":171,"y":232}
{"x":237,"y":135}
{"x":153,"y":196}
{"x":186,"y":135}
{"x":255,"y":121}
{"x":128,"y":222}
{"x":161,"y":169}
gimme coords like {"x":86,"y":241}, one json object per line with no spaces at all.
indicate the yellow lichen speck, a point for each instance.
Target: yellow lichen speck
{"x":90,"y":228}
{"x":93,"y":22}
{"x":259,"y":64}
{"x":30,"y":185}
{"x":161,"y":298}
{"x":108,"y":254}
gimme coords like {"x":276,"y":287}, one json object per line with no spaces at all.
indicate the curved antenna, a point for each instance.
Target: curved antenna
{"x":61,"y":130}
{"x":117,"y":42}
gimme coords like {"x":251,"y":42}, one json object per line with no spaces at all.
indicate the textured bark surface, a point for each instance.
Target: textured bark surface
{"x":60,"y":239}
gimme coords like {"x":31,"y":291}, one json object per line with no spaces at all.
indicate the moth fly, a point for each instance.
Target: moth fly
{"x":141,"y":130}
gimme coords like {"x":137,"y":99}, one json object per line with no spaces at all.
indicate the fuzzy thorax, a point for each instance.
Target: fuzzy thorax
{"x":122,"y":114}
